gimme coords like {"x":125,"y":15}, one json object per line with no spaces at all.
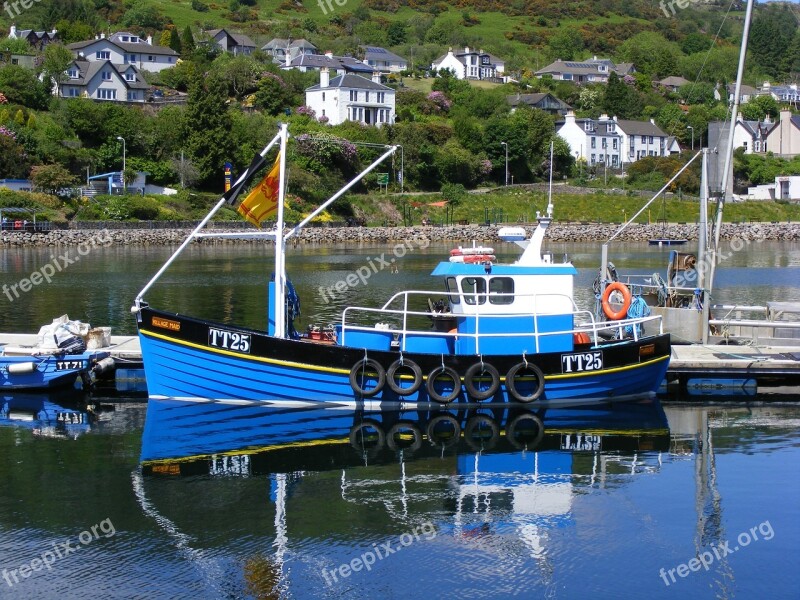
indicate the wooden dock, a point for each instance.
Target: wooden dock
{"x":763,"y":365}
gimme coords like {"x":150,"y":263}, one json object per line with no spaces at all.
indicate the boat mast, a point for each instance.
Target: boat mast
{"x":728,"y":170}
{"x":550,"y":191}
{"x":279,"y":312}
{"x":702,"y":244}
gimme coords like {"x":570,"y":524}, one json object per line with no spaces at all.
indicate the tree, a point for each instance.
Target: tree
{"x":566,"y":44}
{"x":396,"y":33}
{"x":166,"y":35}
{"x":208,"y":124}
{"x":652,"y":53}
{"x":21,"y":86}
{"x":760,"y":106}
{"x":13,"y":158}
{"x":15,"y":46}
{"x":771,"y":34}
{"x":620,"y":99}
{"x":54,"y":65}
{"x":701,"y":92}
{"x":51,"y":179}
{"x":175,"y":40}
{"x":241,"y":72}
{"x":187,"y":40}
{"x":272,"y":95}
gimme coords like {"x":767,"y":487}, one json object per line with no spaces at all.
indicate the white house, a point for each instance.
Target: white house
{"x":384,"y":61}
{"x":470,"y":64}
{"x":352,"y":97}
{"x":784,"y":94}
{"x":785,"y":188}
{"x":784,"y":138}
{"x":123,"y":48}
{"x":593,"y":70}
{"x":750,"y":135}
{"x":643,"y":138}
{"x":103,"y":80}
{"x":614,"y":142}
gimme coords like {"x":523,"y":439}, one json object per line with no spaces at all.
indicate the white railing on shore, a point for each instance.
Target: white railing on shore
{"x":586,"y":321}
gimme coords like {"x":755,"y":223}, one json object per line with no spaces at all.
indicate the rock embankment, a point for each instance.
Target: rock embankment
{"x":558,"y":232}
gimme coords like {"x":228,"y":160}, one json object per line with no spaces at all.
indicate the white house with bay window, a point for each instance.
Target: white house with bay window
{"x":103,"y":81}
{"x":123,"y":48}
{"x":350,"y":97}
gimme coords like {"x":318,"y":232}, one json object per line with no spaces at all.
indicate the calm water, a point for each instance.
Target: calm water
{"x":217,"y":501}
{"x":220,"y":501}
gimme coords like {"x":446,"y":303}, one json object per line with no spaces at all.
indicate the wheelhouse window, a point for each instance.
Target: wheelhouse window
{"x":474,"y":290}
{"x":452,"y":290}
{"x":501,"y":285}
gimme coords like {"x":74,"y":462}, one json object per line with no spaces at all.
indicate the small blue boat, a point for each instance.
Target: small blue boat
{"x":500,"y":333}
{"x":46,"y":371}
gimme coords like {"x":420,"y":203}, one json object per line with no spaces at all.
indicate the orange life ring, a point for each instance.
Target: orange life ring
{"x":581,"y":337}
{"x":626,"y":301}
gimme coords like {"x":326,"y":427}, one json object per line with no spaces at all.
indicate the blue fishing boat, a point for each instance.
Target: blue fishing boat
{"x":500,"y":332}
{"x":47,"y":371}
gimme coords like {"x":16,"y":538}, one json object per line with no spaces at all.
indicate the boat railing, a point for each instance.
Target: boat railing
{"x":752,"y":322}
{"x":584,"y":321}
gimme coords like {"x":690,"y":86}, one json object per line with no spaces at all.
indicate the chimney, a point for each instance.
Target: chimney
{"x":569,"y":118}
{"x":466,"y":49}
{"x":288,"y":61}
{"x":450,"y":51}
{"x":603,"y":117}
{"x":786,"y":115}
{"x":149,"y":40}
{"x":329,"y":53}
{"x":97,"y":36}
{"x":652,"y":121}
{"x":324,"y":77}
{"x":376,"y":77}
{"x":12,"y":33}
{"x":615,"y":118}
{"x":102,"y":36}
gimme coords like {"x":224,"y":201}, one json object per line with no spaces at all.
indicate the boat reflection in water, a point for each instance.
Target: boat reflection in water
{"x":63,"y":414}
{"x":342,"y":479}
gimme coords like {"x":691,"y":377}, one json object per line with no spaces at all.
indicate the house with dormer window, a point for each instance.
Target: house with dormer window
{"x":103,"y":80}
{"x":125,"y":48}
{"x":593,"y":70}
{"x":351,"y":97}
{"x":37,"y":39}
{"x":471,"y":64}
{"x":611,"y":141}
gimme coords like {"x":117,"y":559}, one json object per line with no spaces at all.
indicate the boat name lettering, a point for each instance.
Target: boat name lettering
{"x":647,"y":350}
{"x":166,"y":324}
{"x":66,"y":365}
{"x":230,"y":340}
{"x":583,"y":361}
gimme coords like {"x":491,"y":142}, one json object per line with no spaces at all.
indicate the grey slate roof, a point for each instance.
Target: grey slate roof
{"x":128,"y":47}
{"x":640,"y":128}
{"x":239,"y":38}
{"x":285,"y":43}
{"x":376,"y":53}
{"x":673,"y":81}
{"x":318,"y":61}
{"x":352,"y":81}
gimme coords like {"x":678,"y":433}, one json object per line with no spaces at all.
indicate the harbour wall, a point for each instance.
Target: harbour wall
{"x":558,"y":232}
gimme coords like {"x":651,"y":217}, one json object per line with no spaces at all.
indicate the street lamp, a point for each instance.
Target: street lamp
{"x":506,"y":146}
{"x":122,"y":139}
{"x":692,"y":128}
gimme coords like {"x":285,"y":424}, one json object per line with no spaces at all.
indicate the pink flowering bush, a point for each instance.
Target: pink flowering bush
{"x":441,"y":101}
{"x":7,"y":132}
{"x":306,"y":111}
{"x":323,"y":119}
{"x":485,"y":167}
{"x":3,"y":99}
{"x":323,"y":150}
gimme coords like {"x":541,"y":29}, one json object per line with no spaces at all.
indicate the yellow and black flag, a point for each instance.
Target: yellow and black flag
{"x":262,"y":201}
